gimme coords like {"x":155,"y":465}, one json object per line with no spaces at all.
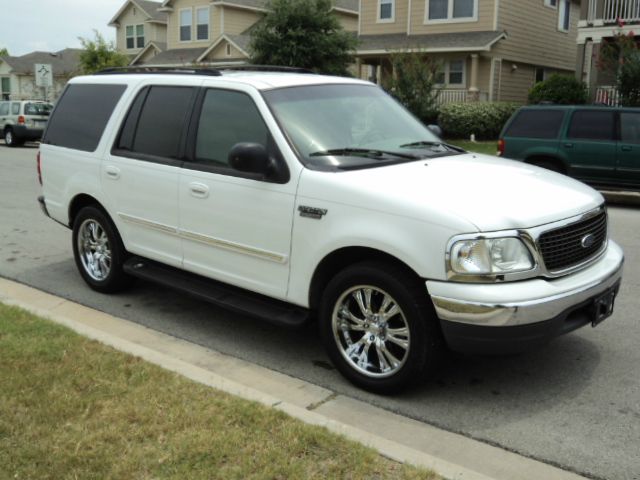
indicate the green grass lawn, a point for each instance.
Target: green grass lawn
{"x":71,"y":408}
{"x":487,"y":147}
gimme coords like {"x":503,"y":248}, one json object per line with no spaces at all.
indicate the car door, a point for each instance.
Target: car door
{"x":590,"y":145}
{"x":4,"y":114}
{"x":140,"y":175}
{"x":235,"y":226}
{"x":629,"y":148}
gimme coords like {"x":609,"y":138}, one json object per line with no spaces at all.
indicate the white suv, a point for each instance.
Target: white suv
{"x":292,"y":196}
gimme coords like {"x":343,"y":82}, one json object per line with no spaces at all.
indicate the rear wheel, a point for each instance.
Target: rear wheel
{"x":549,"y":165}
{"x":98,"y":251}
{"x":9,"y":138}
{"x":379,"y":328}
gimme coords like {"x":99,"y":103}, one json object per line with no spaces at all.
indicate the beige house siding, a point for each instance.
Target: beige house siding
{"x":533,"y":35}
{"x":237,"y":20}
{"x":147,"y":57}
{"x":371,"y":26}
{"x":348,"y":22}
{"x":173,"y":24}
{"x":220,"y":53}
{"x":132,"y":16}
{"x":485,"y":21}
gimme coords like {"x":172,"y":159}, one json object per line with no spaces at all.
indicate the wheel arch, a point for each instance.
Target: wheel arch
{"x":84,"y":200}
{"x":537,"y":158}
{"x":342,"y":258}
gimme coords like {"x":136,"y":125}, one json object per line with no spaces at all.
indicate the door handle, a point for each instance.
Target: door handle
{"x":626,"y":148}
{"x":112,"y":172}
{"x":568,"y":145}
{"x":199,"y":190}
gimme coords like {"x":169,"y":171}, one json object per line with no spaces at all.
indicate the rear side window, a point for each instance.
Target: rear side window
{"x":4,"y":108}
{"x":81,"y":115}
{"x":630,"y":127}
{"x":536,"y":124}
{"x":155,"y":121}
{"x":592,"y":125}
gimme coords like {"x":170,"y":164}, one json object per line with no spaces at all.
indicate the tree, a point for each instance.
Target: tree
{"x":413,"y":83}
{"x":622,"y":55}
{"x":302,"y":33}
{"x":99,"y":54}
{"x":560,"y":89}
{"x":4,"y":52}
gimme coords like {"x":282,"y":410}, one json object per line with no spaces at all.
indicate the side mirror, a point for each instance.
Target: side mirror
{"x":436,"y":130}
{"x":249,"y":158}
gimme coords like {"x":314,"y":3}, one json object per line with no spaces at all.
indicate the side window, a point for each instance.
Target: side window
{"x":4,"y":108}
{"x":159,"y":123}
{"x":592,"y":125}
{"x":536,"y":124}
{"x":227,"y":118}
{"x":630,"y":127}
{"x":15,"y":109}
{"x":81,"y":115}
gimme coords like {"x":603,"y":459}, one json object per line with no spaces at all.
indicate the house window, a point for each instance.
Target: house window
{"x":386,"y":10}
{"x":202,"y":27}
{"x":186,"y":22}
{"x":451,"y":10}
{"x":451,"y":74}
{"x":134,"y":36}
{"x":551,"y":3}
{"x":540,"y":74}
{"x":564,"y":19}
{"x":5,"y":88}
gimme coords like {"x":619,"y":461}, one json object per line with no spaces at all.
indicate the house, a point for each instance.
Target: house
{"x":599,"y":20}
{"x":17,"y":74}
{"x":184,"y":32}
{"x":488,"y":50}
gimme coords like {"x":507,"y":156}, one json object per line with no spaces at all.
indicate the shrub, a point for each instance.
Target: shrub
{"x":560,"y":89}
{"x":484,"y":120}
{"x":621,"y":54}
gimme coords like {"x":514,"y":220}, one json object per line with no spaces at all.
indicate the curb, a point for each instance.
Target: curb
{"x":451,"y":455}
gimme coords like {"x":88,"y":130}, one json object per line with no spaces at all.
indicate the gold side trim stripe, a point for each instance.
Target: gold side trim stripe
{"x":197,"y":237}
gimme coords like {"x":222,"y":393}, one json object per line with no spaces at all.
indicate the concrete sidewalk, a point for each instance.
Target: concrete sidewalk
{"x":451,"y":455}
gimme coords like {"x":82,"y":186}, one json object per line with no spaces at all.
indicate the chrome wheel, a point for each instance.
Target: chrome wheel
{"x":8,"y":138}
{"x":94,"y":250}
{"x":371,"y":331}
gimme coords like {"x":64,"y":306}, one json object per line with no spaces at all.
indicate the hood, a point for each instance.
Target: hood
{"x":489,"y":192}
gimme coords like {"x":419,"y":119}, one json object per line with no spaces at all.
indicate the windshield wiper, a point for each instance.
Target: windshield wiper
{"x":365,"y":152}
{"x":426,"y":143}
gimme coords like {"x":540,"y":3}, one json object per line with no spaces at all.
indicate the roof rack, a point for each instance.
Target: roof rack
{"x":268,"y":68}
{"x":212,"y":72}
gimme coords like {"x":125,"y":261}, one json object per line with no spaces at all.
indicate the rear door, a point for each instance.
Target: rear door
{"x":629,"y":148}
{"x":534,"y":132}
{"x":140,"y":174}
{"x":590,"y":145}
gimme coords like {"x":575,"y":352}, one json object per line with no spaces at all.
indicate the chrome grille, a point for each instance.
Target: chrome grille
{"x":563,"y":247}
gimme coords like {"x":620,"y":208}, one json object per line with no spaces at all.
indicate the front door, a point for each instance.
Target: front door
{"x":235,"y":227}
{"x":629,"y":149}
{"x":590,"y":145}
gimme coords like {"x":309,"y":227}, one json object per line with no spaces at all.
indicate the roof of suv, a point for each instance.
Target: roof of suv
{"x":552,"y":106}
{"x":261,"y":80}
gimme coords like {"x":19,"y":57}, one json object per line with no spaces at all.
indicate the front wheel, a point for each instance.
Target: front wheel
{"x":98,"y":251}
{"x":379,"y":328}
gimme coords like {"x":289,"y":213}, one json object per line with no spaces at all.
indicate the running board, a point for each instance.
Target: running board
{"x":227,"y":296}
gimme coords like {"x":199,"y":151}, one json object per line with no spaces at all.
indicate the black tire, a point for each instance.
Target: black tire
{"x":9,"y":138}
{"x":425,"y":346}
{"x":114,"y":278}
{"x":549,"y":165}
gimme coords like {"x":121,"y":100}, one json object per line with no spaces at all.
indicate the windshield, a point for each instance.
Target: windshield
{"x":38,"y":109}
{"x":351,"y":126}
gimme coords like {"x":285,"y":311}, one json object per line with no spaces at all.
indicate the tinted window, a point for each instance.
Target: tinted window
{"x":15,"y":109}
{"x":227,"y":118}
{"x":161,"y":121}
{"x":630,"y":127}
{"x":38,"y":109}
{"x":81,"y":114}
{"x":536,"y":124}
{"x":592,"y":125}
{"x":4,"y":109}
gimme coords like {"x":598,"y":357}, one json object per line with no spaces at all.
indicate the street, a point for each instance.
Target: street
{"x":574,"y":404}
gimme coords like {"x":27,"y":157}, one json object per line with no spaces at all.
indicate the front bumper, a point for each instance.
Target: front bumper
{"x":518,"y":316}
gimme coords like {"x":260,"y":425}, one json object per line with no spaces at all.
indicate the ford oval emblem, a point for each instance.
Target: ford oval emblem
{"x":588,"y":240}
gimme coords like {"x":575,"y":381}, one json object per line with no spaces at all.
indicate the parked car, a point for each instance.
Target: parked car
{"x":22,"y":121}
{"x":291,"y":196}
{"x":597,"y":145}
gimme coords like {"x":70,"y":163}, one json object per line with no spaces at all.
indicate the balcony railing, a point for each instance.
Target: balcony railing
{"x":458,"y":95}
{"x":607,"y":95}
{"x":615,"y":10}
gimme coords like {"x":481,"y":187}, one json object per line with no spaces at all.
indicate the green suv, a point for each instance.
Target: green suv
{"x":598,"y":145}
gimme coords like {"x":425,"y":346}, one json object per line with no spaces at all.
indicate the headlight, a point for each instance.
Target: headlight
{"x":490,"y":256}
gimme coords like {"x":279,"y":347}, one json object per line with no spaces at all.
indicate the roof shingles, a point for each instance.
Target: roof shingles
{"x":65,"y":62}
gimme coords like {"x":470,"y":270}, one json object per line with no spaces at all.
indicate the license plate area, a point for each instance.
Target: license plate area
{"x":603,"y":306}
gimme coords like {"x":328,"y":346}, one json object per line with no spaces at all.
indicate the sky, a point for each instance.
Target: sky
{"x":52,"y":25}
